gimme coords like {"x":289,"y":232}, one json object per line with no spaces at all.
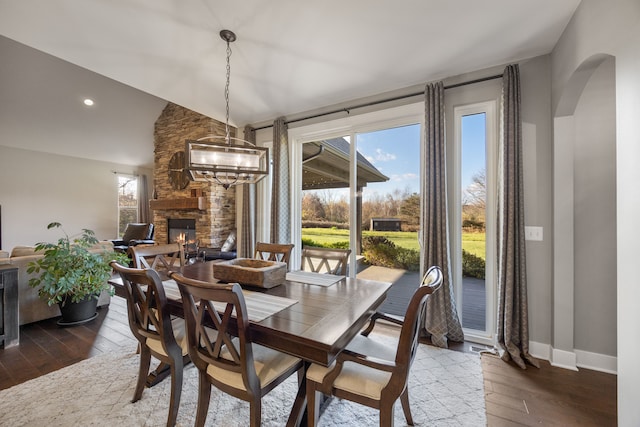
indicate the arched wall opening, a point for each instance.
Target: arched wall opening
{"x":584,"y":289}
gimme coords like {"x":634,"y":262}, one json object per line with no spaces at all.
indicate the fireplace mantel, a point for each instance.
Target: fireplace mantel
{"x":181,"y":203}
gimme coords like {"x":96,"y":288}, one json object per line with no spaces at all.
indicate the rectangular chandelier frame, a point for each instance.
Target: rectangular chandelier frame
{"x":233,"y":161}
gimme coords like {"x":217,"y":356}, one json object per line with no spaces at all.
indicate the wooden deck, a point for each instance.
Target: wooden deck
{"x":406,"y":282}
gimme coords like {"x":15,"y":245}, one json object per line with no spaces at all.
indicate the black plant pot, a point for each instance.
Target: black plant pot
{"x":77,"y":313}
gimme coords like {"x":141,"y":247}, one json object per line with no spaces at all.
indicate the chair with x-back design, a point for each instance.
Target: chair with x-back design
{"x":161,"y":258}
{"x":158,"y":335}
{"x":229,"y":360}
{"x":280,"y":252}
{"x":325,"y":260}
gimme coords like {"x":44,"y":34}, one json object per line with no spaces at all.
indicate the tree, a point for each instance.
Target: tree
{"x":410,"y":209}
{"x":312,"y":207}
{"x":474,"y":202}
{"x":476,"y":193}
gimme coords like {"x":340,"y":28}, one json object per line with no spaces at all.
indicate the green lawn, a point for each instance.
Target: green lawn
{"x":471,"y":242}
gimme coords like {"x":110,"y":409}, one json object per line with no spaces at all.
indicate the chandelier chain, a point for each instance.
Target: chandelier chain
{"x":226,"y":93}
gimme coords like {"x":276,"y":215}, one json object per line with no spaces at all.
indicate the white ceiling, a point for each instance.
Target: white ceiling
{"x":291,"y":55}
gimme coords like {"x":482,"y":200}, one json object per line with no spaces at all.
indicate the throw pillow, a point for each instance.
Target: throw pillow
{"x":229,"y":244}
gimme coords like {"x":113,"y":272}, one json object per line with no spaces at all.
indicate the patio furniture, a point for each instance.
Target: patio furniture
{"x":158,"y":335}
{"x":325,"y":260}
{"x":229,"y":361}
{"x":372,"y":373}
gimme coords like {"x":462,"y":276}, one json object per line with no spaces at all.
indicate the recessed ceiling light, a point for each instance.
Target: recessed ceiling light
{"x":88,"y":102}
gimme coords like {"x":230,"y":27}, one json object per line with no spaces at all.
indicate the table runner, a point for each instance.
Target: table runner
{"x":259,"y":305}
{"x":311,"y":278}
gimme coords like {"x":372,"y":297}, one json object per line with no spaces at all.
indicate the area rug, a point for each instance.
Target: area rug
{"x":445,"y":389}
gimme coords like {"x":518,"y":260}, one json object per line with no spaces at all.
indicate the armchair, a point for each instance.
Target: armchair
{"x":134,"y":234}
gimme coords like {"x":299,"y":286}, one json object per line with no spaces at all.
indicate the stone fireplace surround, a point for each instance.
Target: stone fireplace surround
{"x":215,"y":212}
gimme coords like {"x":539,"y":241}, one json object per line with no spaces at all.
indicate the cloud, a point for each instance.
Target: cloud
{"x":384,"y":157}
{"x":404,"y":177}
{"x":380,"y":156}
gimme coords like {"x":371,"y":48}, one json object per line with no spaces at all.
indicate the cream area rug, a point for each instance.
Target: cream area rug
{"x":445,"y":389}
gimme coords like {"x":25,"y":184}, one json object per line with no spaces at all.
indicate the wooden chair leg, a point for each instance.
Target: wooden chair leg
{"x":204,"y":396}
{"x":176,"y":392}
{"x":143,"y":371}
{"x":404,"y":399}
{"x":313,"y":404}
{"x":255,"y":409}
{"x":386,"y":415}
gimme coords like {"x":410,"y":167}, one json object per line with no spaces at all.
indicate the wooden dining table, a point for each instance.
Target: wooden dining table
{"x":316,"y":328}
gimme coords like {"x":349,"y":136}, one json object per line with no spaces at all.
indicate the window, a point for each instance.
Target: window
{"x":127,"y":201}
{"x":473,"y":244}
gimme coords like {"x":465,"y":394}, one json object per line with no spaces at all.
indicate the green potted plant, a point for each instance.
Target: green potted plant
{"x":72,"y":275}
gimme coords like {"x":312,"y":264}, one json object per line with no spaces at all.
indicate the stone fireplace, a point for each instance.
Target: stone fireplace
{"x":210,"y":207}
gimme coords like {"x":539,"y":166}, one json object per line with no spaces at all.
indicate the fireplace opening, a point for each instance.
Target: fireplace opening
{"x":182,"y":231}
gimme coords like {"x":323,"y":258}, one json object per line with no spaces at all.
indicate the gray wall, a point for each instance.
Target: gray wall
{"x":38,"y":188}
{"x":613,"y":28}
{"x":537,"y":170}
{"x":595,"y":214}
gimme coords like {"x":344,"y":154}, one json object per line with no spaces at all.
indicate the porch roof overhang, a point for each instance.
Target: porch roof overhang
{"x":325,"y":164}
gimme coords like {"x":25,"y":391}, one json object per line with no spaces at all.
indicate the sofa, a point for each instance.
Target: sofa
{"x":30,"y":307}
{"x":227,"y":251}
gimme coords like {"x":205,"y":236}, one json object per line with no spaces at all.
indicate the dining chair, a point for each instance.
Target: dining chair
{"x":229,"y":361}
{"x":397,"y":320}
{"x":162,"y":258}
{"x":325,"y":260}
{"x":373,"y":373}
{"x":280,"y":252}
{"x":157,"y":334}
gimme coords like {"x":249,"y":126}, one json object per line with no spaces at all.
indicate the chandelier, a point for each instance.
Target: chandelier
{"x":223,"y":159}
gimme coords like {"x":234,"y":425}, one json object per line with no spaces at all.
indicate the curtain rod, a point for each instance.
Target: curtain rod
{"x":115,"y":172}
{"x":382,"y":101}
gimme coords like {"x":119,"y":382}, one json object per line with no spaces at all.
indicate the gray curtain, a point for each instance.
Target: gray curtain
{"x":441,"y":319}
{"x":513,"y":323}
{"x":144,"y":214}
{"x":280,"y":194}
{"x":247,"y":209}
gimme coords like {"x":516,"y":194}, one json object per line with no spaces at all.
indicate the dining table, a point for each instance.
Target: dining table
{"x":317,"y":319}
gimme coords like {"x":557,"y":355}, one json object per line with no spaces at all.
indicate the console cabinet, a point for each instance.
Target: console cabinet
{"x":9,"y":328}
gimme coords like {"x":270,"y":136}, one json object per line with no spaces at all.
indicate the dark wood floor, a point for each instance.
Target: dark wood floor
{"x":545,"y":396}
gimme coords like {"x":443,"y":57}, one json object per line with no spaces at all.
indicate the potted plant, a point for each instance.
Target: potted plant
{"x":71,"y":275}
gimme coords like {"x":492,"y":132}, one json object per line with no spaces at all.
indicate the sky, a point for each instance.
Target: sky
{"x":473,"y":146}
{"x":396,"y":153}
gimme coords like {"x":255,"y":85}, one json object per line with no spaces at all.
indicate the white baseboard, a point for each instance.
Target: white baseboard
{"x":539,"y":350}
{"x":573,"y":360}
{"x":563,"y":359}
{"x":597,"y":362}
